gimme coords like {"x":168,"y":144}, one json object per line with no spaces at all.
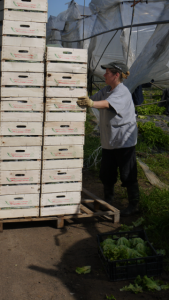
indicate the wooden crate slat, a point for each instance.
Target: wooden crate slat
{"x":26,"y":79}
{"x":8,"y":66}
{"x":56,"y":104}
{"x":62,"y":163}
{"x":61,"y":175}
{"x":62,"y":187}
{"x":23,"y":28}
{"x":22,"y":53}
{"x":63,"y":140}
{"x":63,"y":210}
{"x":19,"y":213}
{"x":60,"y":198}
{"x":65,"y":151}
{"x":62,"y":128}
{"x":20,"y":165}
{"x":24,"y":141}
{"x":65,"y":92}
{"x":17,"y":41}
{"x":20,"y":128}
{"x":22,"y":92}
{"x":68,"y":79}
{"x":69,"y":116}
{"x":20,"y":153}
{"x":24,"y":104}
{"x":37,"y":5}
{"x":11,"y":201}
{"x":20,"y":177}
{"x":66,"y":68}
{"x":66,"y":54}
{"x":20,"y":189}
{"x":14,"y":15}
{"x":21,"y":116}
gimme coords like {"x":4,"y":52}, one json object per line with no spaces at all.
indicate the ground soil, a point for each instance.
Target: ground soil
{"x":38,"y":261}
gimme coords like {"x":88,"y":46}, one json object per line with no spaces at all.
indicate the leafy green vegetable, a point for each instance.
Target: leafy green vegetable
{"x":139,"y":222}
{"x":83,"y":270}
{"x":136,"y":241}
{"x":151,"y":110}
{"x":132,"y":288}
{"x":123,"y":241}
{"x":125,"y":227}
{"x":161,"y":251}
{"x":110,"y":297}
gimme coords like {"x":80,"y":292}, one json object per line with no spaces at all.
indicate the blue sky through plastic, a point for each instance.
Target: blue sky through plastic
{"x":55,"y":7}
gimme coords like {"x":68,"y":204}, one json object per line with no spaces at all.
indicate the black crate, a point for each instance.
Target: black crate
{"x":130,"y":268}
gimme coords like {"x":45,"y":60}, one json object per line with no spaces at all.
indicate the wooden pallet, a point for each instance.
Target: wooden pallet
{"x":100,"y":208}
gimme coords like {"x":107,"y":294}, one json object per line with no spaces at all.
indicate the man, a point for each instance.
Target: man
{"x":118,"y":132}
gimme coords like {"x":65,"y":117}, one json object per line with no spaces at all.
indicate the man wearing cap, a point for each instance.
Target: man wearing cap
{"x":118,"y":132}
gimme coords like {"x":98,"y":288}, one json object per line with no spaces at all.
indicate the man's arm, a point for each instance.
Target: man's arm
{"x":101,"y":104}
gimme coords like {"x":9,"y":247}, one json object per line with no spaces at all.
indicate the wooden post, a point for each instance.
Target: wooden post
{"x":60,"y":222}
{"x":1,"y":226}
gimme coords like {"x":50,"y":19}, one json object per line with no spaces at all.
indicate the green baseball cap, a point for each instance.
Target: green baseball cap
{"x":116,"y":65}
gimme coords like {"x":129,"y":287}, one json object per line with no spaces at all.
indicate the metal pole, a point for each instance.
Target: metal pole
{"x":83,"y":21}
{"x":130,"y":32}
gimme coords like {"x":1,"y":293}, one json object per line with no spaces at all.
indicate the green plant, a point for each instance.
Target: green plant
{"x":150,"y":110}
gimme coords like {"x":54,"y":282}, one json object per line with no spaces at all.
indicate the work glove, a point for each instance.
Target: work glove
{"x":85,"y":101}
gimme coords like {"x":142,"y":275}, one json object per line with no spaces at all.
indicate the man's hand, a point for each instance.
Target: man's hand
{"x":85,"y":101}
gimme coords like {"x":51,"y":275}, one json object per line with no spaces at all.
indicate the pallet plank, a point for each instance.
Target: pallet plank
{"x":54,"y":67}
{"x":14,"y":15}
{"x":67,"y":151}
{"x":66,"y":54}
{"x":65,"y":92}
{"x":21,"y":128}
{"x":62,"y":163}
{"x":63,"y":128}
{"x":61,"y":175}
{"x":20,"y":177}
{"x":56,"y":104}
{"x":63,"y":140}
{"x":62,"y":210}
{"x":60,"y":198}
{"x":20,"y":189}
{"x":19,"y":213}
{"x":23,"y":28}
{"x":37,"y":5}
{"x":25,"y":141}
{"x":9,"y":66}
{"x":26,"y":79}
{"x":20,"y":153}
{"x":68,"y":79}
{"x":20,"y":165}
{"x":69,"y":116}
{"x":62,"y":187}
{"x":20,"y":200}
{"x":22,"y":53}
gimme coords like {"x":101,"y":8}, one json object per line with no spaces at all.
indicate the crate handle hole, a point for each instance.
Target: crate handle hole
{"x":23,"y":51}
{"x":26,"y":0}
{"x":67,"y":52}
{"x":21,"y":76}
{"x":63,"y":149}
{"x":19,"y":150}
{"x":22,"y":101}
{"x":21,"y":126}
{"x":62,"y":173}
{"x":64,"y":77}
{"x":64,"y":126}
{"x":27,"y":26}
{"x":66,"y":101}
{"x":60,"y":196}
{"x":18,"y":198}
{"x":18,"y":175}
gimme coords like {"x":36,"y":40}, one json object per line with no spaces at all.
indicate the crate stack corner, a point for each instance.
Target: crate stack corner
{"x":66,"y":79}
{"x":23,"y":42}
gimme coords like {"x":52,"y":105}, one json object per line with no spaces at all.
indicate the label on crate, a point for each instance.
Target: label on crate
{"x":67,"y":83}
{"x":68,"y":106}
{"x":24,"y":5}
{"x":56,"y":201}
{"x":24,"y":131}
{"x":18,"y":203}
{"x":22,"y":31}
{"x":62,"y":56}
{"x":58,"y":177}
{"x":24,"y":56}
{"x":22,"y":81}
{"x":61,"y":154}
{"x":62,"y":130}
{"x":17,"y":180}
{"x":24,"y":107}
{"x":19,"y":155}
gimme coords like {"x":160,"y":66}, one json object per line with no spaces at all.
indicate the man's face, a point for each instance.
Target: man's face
{"x":110,"y":78}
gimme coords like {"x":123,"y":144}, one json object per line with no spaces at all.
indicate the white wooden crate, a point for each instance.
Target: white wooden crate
{"x":6,"y":141}
{"x":14,"y":66}
{"x":62,"y":163}
{"x":66,"y":68}
{"x":14,"y":201}
{"x":22,"y":92}
{"x":62,"y":187}
{"x":22,"y":53}
{"x":21,"y":116}
{"x":20,"y":165}
{"x":19,"y":213}
{"x":23,"y":28}
{"x":60,"y":198}
{"x":62,"y":104}
{"x":26,"y":16}
{"x":20,"y":128}
{"x":19,"y":189}
{"x":20,"y":153}
{"x":68,"y":79}
{"x":72,"y":92}
{"x":63,"y":140}
{"x":21,"y":104}
{"x":37,"y":5}
{"x":20,"y":177}
{"x":62,"y":210}
{"x":22,"y":78}
{"x":66,"y":151}
{"x":63,"y":128}
{"x":66,"y":54}
{"x":62,"y":116}
{"x":61,"y":175}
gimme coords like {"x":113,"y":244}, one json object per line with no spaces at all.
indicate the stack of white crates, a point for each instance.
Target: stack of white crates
{"x":66,"y":79}
{"x":23,"y":40}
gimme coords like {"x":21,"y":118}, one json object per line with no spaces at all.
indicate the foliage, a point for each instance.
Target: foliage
{"x":83,"y":270}
{"x":110,"y":297}
{"x":153,"y":109}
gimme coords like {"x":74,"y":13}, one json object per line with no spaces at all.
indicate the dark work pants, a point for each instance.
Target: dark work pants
{"x":125,"y":160}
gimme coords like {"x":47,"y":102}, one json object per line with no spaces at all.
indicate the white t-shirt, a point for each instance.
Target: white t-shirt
{"x":118,"y":128}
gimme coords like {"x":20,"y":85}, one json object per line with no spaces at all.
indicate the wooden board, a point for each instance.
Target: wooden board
{"x":23,"y":104}
{"x":66,"y":68}
{"x":19,"y":213}
{"x":20,"y":153}
{"x":20,"y":189}
{"x":24,"y":141}
{"x":20,"y":177}
{"x":22,"y":78}
{"x":68,"y":79}
{"x":67,"y":151}
{"x":20,"y":128}
{"x":66,"y":54}
{"x":56,"y":104}
{"x":61,"y":175}
{"x":61,"y":187}
{"x":22,"y":92}
{"x":8,"y":66}
{"x":20,"y":165}
{"x":60,"y":198}
{"x":37,"y":5}
{"x":16,"y":15}
{"x":62,"y":163}
{"x":23,"y":28}
{"x":63,"y":128}
{"x":15,"y":201}
{"x":22,"y":53}
{"x":65,"y":116}
{"x":60,"y":210}
{"x":63,"y":140}
{"x":65,"y":92}
{"x":21,"y":116}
